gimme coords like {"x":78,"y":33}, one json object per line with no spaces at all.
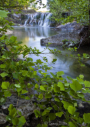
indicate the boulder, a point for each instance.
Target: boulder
{"x":69,"y":26}
{"x":63,"y":38}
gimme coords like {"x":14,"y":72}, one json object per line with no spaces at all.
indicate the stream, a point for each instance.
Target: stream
{"x":31,"y":35}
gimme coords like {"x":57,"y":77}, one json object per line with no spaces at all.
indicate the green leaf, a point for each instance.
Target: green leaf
{"x":44,"y":125}
{"x":10,"y":107}
{"x":22,"y":120}
{"x":71,"y":124}
{"x":37,"y":113}
{"x":81,"y":76}
{"x":2,"y":100}
{"x":57,"y":99}
{"x":15,"y":121}
{"x":75,"y":85}
{"x":40,"y":96}
{"x":5,"y":85}
{"x":4,"y":74}
{"x":86,"y":117}
{"x":52,"y":116}
{"x":56,"y":88}
{"x":54,"y":60}
{"x":87,"y":83}
{"x":59,"y":114}
{"x":71,"y":110}
{"x":24,"y":91}
{"x":60,"y":84}
{"x":17,"y":85}
{"x":48,"y":95}
{"x":3,"y":14}
{"x":2,"y":66}
{"x":42,"y":88}
{"x":66,"y":104}
{"x":7,"y":93}
{"x":46,"y":111}
{"x":60,"y":73}
{"x":36,"y":86}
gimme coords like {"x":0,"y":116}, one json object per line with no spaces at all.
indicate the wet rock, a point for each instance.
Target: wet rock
{"x":57,"y":40}
{"x":70,"y":27}
{"x":2,"y":118}
{"x":26,"y":109}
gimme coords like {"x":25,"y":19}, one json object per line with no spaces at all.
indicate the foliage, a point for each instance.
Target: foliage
{"x":79,"y":10}
{"x":15,"y":117}
{"x":56,"y":96}
{"x":14,"y":4}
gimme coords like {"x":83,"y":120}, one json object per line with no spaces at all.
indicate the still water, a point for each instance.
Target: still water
{"x":31,"y":36}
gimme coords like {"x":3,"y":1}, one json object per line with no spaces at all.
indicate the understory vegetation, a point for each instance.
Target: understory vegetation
{"x":56,"y":96}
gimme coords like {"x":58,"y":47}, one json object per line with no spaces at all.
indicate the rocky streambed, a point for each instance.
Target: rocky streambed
{"x":27,"y":108}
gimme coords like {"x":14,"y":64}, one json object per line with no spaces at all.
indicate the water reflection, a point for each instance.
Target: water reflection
{"x":31,"y":37}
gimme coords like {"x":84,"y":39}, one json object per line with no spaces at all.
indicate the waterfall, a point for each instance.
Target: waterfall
{"x":47,"y":20}
{"x":40,"y":19}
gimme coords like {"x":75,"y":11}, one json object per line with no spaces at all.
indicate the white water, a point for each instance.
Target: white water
{"x":41,"y":19}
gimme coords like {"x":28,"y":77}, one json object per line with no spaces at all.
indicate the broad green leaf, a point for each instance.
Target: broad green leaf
{"x":2,"y":100}
{"x":37,"y":113}
{"x":2,"y":66}
{"x":24,"y":91}
{"x":22,"y":120}
{"x":15,"y":121}
{"x":44,"y":125}
{"x":3,"y":13}
{"x":66,"y":104}
{"x":36,"y":86}
{"x":48,"y":95}
{"x":60,"y":73}
{"x":10,"y":107}
{"x":46,"y":111}
{"x":86,"y":117}
{"x":75,"y":85}
{"x":59,"y":114}
{"x":52,"y":116}
{"x":81,"y":76}
{"x":54,"y":60}
{"x":87,"y":83}
{"x":66,"y":84}
{"x":17,"y":85}
{"x":5,"y":85}
{"x":71,"y":110}
{"x":4,"y":74}
{"x":42,"y":88}
{"x":40,"y":96}
{"x":60,"y":84}
{"x":71,"y":124}
{"x":57,"y":99}
{"x":7,"y":93}
{"x":56,"y":88}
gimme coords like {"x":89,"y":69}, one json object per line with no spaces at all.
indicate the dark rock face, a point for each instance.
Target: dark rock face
{"x":84,"y":36}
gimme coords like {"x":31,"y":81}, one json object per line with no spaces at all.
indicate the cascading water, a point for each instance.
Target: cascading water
{"x":41,"y":19}
{"x":47,"y":20}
